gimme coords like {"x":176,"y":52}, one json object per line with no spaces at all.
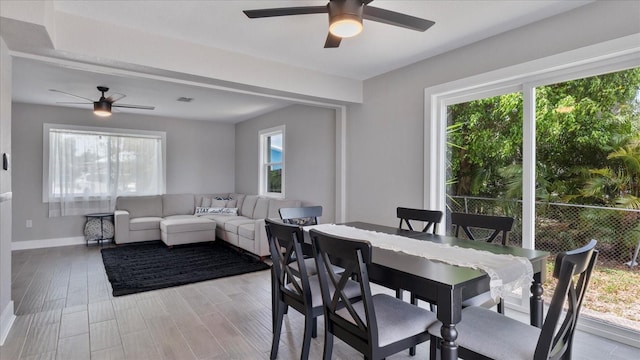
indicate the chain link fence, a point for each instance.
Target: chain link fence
{"x":561,"y":227}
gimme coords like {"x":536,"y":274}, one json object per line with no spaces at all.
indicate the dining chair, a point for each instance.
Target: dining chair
{"x":377,"y":325}
{"x":303,"y":216}
{"x":293,"y":288}
{"x":471,"y":225}
{"x":484,"y":334}
{"x":430,"y":218}
{"x":306,"y":215}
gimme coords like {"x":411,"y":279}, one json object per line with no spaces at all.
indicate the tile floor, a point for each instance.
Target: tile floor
{"x":65,"y":310}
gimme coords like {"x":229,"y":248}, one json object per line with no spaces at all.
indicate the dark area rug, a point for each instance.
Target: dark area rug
{"x":152,"y":265}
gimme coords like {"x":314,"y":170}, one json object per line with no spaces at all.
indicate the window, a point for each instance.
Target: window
{"x":272,"y":162}
{"x":86,"y":168}
{"x":579,"y":118}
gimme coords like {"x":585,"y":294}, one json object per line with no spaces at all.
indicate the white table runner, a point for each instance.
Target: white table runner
{"x":506,"y":272}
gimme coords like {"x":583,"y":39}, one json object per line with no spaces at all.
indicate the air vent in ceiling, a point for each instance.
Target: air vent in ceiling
{"x":185,"y":99}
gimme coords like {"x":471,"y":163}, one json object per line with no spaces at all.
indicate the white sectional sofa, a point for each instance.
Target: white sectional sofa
{"x":172,"y":218}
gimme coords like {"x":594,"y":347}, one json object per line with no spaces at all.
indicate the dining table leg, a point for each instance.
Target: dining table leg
{"x":449,"y":313}
{"x":449,"y":348}
{"x":536,"y":305}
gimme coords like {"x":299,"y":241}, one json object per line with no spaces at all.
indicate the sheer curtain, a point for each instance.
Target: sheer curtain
{"x":89,"y":169}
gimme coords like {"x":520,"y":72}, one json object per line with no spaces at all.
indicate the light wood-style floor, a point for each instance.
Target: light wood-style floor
{"x":65,"y":310}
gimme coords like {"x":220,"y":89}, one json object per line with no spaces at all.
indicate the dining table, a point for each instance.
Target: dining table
{"x":445,"y":285}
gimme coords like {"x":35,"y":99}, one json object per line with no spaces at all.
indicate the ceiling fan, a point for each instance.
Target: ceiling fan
{"x":345,"y":17}
{"x":102,"y":107}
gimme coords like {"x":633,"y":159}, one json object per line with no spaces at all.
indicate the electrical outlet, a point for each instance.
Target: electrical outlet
{"x":29,"y":223}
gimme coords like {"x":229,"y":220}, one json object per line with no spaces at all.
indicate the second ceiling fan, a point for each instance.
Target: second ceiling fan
{"x":345,"y":17}
{"x":102,"y":107}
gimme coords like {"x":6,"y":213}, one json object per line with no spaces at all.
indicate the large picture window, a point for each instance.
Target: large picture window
{"x":85,"y":168}
{"x":554,"y":147}
{"x":272,"y":162}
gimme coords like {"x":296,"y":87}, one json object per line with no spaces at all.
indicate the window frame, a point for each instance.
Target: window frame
{"x":612,"y":56}
{"x":598,"y":59}
{"x":263,"y":171}
{"x":46,"y":127}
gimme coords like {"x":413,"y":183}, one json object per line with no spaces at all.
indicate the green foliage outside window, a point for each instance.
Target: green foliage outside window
{"x":588,"y":153}
{"x":588,"y":142}
{"x":275,"y":181}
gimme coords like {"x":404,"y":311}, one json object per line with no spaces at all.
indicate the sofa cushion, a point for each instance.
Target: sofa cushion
{"x":232,"y":225}
{"x":140,"y":206}
{"x":261,"y":209}
{"x":178,"y":204}
{"x":239,"y":198}
{"x":222,"y":219}
{"x":172,"y":226}
{"x":179,"y":217}
{"x":248,"y":205}
{"x":247,"y":230}
{"x":276,"y":204}
{"x":144,"y":223}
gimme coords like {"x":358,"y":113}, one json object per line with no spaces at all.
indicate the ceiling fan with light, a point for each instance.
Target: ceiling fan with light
{"x":102,"y":107}
{"x":345,"y":17}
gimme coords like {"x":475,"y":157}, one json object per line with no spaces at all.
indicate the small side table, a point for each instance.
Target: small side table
{"x":99,"y":227}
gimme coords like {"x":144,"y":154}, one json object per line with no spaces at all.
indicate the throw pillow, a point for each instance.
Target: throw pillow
{"x":232,"y":203}
{"x":215,"y":211}
{"x":303,"y":221}
{"x":227,"y":211}
{"x":201,"y":210}
{"x":218,"y":203}
{"x":206,"y":202}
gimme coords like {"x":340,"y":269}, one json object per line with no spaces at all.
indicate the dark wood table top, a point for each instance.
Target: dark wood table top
{"x":440,"y":272}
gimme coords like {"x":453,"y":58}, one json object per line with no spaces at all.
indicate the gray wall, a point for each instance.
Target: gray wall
{"x":309,"y":154}
{"x":200,"y":159}
{"x":6,"y":307}
{"x":385,"y":158}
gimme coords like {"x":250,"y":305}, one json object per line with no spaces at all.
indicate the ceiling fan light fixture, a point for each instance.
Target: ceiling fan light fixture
{"x":102,"y":108}
{"x":345,"y":25}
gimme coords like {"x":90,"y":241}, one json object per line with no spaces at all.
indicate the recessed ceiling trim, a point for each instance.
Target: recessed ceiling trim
{"x":81,"y":66}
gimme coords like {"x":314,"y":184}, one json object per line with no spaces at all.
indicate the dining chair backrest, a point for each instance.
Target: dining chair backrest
{"x":484,"y":334}
{"x":291,"y":285}
{"x":353,"y":256}
{"x":573,"y":271}
{"x":377,"y":325}
{"x":500,"y":225}
{"x":430,"y":218}
{"x":285,"y":248}
{"x":307,"y":215}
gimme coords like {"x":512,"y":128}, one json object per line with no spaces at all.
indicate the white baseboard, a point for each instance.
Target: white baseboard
{"x":588,"y":324}
{"x":6,"y":321}
{"x":46,"y":243}
{"x":609,"y":331}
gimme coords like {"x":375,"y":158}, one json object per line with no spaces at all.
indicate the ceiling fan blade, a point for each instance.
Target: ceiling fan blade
{"x":66,"y":93}
{"x":299,"y":10}
{"x":332,"y":41}
{"x":71,"y":103}
{"x":129,"y":106}
{"x":112,"y":99}
{"x":396,"y":19}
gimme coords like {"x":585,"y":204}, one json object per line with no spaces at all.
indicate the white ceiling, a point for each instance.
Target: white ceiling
{"x":33,"y":79}
{"x":293,"y":40}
